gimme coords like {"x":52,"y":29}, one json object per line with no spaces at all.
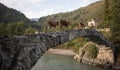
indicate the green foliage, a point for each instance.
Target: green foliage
{"x":113,"y":17}
{"x":29,"y":31}
{"x":9,"y":15}
{"x":16,"y":28}
{"x":91,"y":48}
{"x":106,"y":18}
{"x":3,"y":30}
{"x":106,"y":34}
{"x":45,"y":29}
{"x":13,"y":22}
{"x":115,"y":26}
{"x":74,"y":44}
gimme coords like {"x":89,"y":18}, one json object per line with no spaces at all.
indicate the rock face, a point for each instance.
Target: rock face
{"x":104,"y":58}
{"x":22,"y":52}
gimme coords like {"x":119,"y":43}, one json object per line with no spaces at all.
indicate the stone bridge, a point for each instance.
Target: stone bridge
{"x":22,"y":52}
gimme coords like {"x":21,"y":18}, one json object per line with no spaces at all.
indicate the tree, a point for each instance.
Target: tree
{"x":17,"y":28}
{"x":115,"y":22}
{"x":20,"y":28}
{"x":29,"y":31}
{"x":3,"y":31}
{"x":106,"y":15}
{"x":112,"y":15}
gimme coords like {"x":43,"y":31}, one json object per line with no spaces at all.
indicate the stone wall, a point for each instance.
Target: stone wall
{"x":22,"y":52}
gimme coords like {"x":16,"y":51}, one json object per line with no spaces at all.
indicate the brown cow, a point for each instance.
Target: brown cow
{"x":64,"y":23}
{"x":52,"y":23}
{"x":81,"y":25}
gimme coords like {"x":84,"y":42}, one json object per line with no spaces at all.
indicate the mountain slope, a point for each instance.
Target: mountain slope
{"x":8,"y":15}
{"x":13,"y":22}
{"x":84,"y":14}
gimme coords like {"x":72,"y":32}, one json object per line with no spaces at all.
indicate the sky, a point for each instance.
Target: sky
{"x":40,"y":8}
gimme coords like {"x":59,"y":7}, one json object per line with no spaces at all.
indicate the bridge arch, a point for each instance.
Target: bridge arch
{"x":22,"y":52}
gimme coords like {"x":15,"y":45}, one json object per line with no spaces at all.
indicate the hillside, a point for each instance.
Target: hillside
{"x":8,"y":15}
{"x":84,"y":14}
{"x":13,"y":22}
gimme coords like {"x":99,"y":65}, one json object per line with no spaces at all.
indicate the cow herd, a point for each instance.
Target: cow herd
{"x":55,"y":23}
{"x":61,"y":23}
{"x":65,"y":23}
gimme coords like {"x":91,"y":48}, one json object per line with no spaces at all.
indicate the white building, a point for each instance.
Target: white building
{"x":92,"y":23}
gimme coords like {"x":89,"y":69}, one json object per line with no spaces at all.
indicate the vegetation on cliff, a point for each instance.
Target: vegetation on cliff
{"x":91,"y":48}
{"x":112,"y":18}
{"x":74,"y":44}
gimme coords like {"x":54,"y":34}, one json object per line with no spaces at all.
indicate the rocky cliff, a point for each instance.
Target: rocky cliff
{"x":22,"y":52}
{"x":104,"y":56}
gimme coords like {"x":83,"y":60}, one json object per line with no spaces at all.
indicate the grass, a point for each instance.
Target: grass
{"x":91,"y":48}
{"x":74,"y":44}
{"x":106,"y":34}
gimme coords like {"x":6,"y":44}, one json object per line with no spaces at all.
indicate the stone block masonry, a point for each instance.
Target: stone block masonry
{"x":22,"y":52}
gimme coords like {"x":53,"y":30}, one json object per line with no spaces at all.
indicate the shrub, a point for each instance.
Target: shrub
{"x":92,"y":49}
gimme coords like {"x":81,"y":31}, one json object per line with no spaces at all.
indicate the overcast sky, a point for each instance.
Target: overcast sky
{"x":39,"y":8}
